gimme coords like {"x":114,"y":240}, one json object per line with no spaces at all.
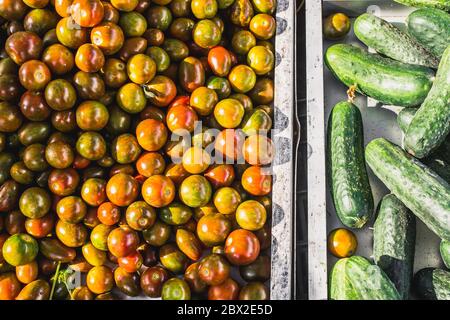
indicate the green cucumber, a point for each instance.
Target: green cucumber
{"x":394,"y":237}
{"x":432,"y":284}
{"x":355,"y":278}
{"x":392,"y":42}
{"x":439,"y":4}
{"x":431,"y":28}
{"x":431,"y":123}
{"x":386,"y":80}
{"x":350,"y":187}
{"x":444,"y":249}
{"x":419,"y":188}
{"x":442,"y":153}
{"x":405,"y":116}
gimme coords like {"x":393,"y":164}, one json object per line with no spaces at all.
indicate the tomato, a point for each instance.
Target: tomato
{"x":220,"y":61}
{"x":227,"y":200}
{"x":89,"y":58}
{"x":257,"y":181}
{"x":242,"y":78}
{"x":191,"y":276}
{"x":9,"y":286}
{"x":27,"y":273}
{"x":342,"y":243}
{"x":122,"y":189}
{"x":100,"y":279}
{"x":203,"y":100}
{"x":263,"y":26}
{"x":150,"y":163}
{"x":241,"y":247}
{"x":158,"y":191}
{"x":189,"y":244}
{"x":229,"y":113}
{"x":108,"y":37}
{"x":141,"y":68}
{"x":151,"y":134}
{"x":123,"y":241}
{"x":152,"y":281}
{"x":131,"y":263}
{"x":221,"y":175}
{"x":228,"y":290}
{"x":108,"y":213}
{"x":195,"y":191}
{"x":40,"y":227}
{"x":214,"y":269}
{"x":196,"y":160}
{"x":213,"y":229}
{"x":93,"y":191}
{"x":87,"y":13}
{"x":180,"y":118}
{"x":140,"y":215}
{"x":229,"y":143}
{"x":251,"y":215}
{"x":254,"y":291}
{"x":34,"y":75}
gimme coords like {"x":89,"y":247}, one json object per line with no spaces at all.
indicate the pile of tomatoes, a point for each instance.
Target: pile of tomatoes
{"x":95,"y":179}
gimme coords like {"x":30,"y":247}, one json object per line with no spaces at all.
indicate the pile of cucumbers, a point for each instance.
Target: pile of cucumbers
{"x":410,"y":69}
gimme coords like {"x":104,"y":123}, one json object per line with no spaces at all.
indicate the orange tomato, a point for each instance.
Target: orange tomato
{"x":158,"y":191}
{"x":87,"y":13}
{"x":229,"y":143}
{"x":342,"y":243}
{"x":181,"y":117}
{"x":150,"y":163}
{"x":257,"y":181}
{"x":258,"y":150}
{"x":151,"y":134}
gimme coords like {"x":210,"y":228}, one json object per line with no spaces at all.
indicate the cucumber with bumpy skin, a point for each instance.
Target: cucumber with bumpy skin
{"x":386,"y":80}
{"x":394,"y":237}
{"x":432,"y":284}
{"x":421,"y":190}
{"x":350,"y":187}
{"x":431,"y":28}
{"x":442,"y":153}
{"x":431,"y":123}
{"x":355,"y":278}
{"x":439,"y":4}
{"x":392,"y":42}
{"x":444,"y":249}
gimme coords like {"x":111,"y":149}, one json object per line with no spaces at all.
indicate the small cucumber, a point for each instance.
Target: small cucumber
{"x":394,"y":238}
{"x":355,"y":278}
{"x":386,"y":80}
{"x":439,"y":4}
{"x":350,"y":187}
{"x":419,"y":188}
{"x":392,"y":42}
{"x":444,"y":249}
{"x":432,"y":284}
{"x":431,"y":28}
{"x":431,"y":123}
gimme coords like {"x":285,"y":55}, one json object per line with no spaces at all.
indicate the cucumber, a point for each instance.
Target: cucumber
{"x":442,"y":153}
{"x":444,"y":249}
{"x":392,"y":42}
{"x":355,"y":278}
{"x":431,"y":123}
{"x":394,"y":238}
{"x":431,"y":28}
{"x":432,"y":284}
{"x":439,"y":4}
{"x":350,"y":187}
{"x":419,"y":188}
{"x":405,"y":116}
{"x":386,"y":80}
